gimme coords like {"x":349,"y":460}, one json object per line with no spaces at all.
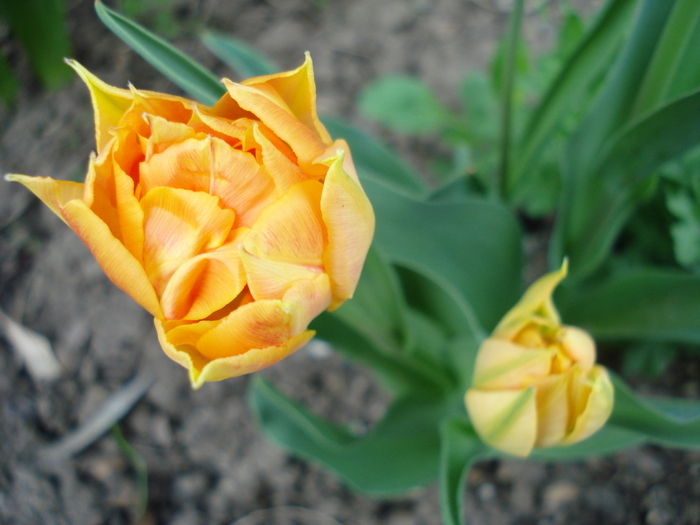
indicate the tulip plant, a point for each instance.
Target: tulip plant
{"x":239,"y":221}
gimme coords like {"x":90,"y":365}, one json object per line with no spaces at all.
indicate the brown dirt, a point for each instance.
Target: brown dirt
{"x":207,"y":461}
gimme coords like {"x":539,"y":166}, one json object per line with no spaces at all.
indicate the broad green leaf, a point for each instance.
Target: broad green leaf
{"x":603,"y":200}
{"x":460,"y":448}
{"x":645,"y":304}
{"x":397,"y":372}
{"x":448,"y":243}
{"x":686,"y":231}
{"x":572,"y":85}
{"x":401,"y":452}
{"x":374,"y":160}
{"x":239,"y":56}
{"x":677,"y":51}
{"x":648,"y":359}
{"x":403,"y":104}
{"x":191,"y":76}
{"x":607,"y":440}
{"x":668,"y":421}
{"x":40,"y":25}
{"x":378,"y":310}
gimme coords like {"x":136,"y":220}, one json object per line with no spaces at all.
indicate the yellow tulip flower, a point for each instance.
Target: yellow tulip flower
{"x":233,"y":225}
{"x":535,"y":380}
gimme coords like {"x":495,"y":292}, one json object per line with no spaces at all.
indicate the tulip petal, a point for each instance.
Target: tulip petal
{"x":502,"y":364}
{"x":349,"y":219}
{"x":54,"y":193}
{"x":579,"y":346}
{"x":204,"y":284}
{"x":598,"y":407}
{"x":109,"y":103}
{"x":305,"y":300}
{"x":119,"y":265}
{"x":129,"y":213}
{"x":260,"y":324}
{"x":271,"y":279}
{"x":210,"y":165}
{"x":552,"y":410}
{"x":297,"y":90}
{"x":304,"y":141}
{"x":291,"y":230}
{"x":179,"y":224}
{"x":537,"y":301}
{"x":505,"y":419}
{"x":231,"y":132}
{"x":279,"y":167}
{"x":171,"y":108}
{"x":249,"y":362}
{"x":165,"y":134}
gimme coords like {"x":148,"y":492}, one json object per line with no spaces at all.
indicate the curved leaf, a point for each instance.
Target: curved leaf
{"x":449,"y":242}
{"x":401,"y":452}
{"x":645,"y":305}
{"x":191,"y":76}
{"x":668,"y":421}
{"x":239,"y":56}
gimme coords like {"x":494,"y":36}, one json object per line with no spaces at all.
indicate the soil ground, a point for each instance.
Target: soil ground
{"x":207,"y":461}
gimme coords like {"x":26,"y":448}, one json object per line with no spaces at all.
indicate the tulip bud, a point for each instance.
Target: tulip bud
{"x":535,"y":380}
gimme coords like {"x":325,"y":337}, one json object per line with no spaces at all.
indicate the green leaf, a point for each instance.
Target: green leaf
{"x":605,"y":198}
{"x":403,"y":104}
{"x":677,"y":51}
{"x":649,"y":359}
{"x":668,"y":421}
{"x":460,"y":448}
{"x":448,"y":243}
{"x":644,"y":304}
{"x":397,"y":372}
{"x":239,"y":56}
{"x":40,"y":25}
{"x":686,"y":231}
{"x":401,"y":451}
{"x":374,"y":160}
{"x":191,"y":76}
{"x":572,"y":85}
{"x":607,"y":440}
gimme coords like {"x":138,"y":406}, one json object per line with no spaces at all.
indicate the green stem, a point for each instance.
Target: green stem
{"x":508,"y":76}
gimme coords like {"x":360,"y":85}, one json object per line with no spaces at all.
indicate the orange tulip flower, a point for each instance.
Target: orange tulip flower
{"x":233,"y":225}
{"x":535,"y":380}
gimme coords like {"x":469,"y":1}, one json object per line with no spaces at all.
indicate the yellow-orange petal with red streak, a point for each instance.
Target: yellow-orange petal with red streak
{"x":182,"y":351}
{"x":54,"y":193}
{"x":349,"y":219}
{"x":297,"y":91}
{"x":118,"y":264}
{"x":279,"y":167}
{"x":129,"y":213}
{"x":179,"y":224}
{"x":109,"y":103}
{"x":271,"y":279}
{"x":249,"y":362}
{"x":304,"y":141}
{"x":165,"y":134}
{"x":305,"y":300}
{"x":260,"y":324}
{"x":291,"y":230}
{"x":204,"y":284}
{"x":505,"y":419}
